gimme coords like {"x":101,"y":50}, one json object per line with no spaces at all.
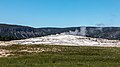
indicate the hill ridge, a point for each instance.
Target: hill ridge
{"x":14,"y":32}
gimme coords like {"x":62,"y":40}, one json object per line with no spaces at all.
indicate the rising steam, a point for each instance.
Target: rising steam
{"x":83,"y":31}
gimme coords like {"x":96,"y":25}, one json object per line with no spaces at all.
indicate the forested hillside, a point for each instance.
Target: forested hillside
{"x":13,"y":32}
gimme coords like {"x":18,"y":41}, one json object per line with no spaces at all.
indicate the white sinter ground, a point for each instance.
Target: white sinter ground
{"x":70,"y":40}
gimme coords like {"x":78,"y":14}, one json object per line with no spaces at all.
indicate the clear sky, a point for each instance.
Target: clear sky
{"x":60,"y":13}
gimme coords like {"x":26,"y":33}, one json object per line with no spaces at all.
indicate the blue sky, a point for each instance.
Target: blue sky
{"x":60,"y":13}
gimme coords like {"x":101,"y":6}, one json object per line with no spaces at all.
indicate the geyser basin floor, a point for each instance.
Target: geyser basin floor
{"x":70,"y":40}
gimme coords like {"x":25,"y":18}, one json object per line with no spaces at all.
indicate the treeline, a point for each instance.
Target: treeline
{"x":7,"y":38}
{"x":14,"y":32}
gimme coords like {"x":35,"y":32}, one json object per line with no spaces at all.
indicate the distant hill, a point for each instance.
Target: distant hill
{"x":13,"y":32}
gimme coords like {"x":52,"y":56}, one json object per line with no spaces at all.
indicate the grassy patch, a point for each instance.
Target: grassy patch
{"x":60,"y":56}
